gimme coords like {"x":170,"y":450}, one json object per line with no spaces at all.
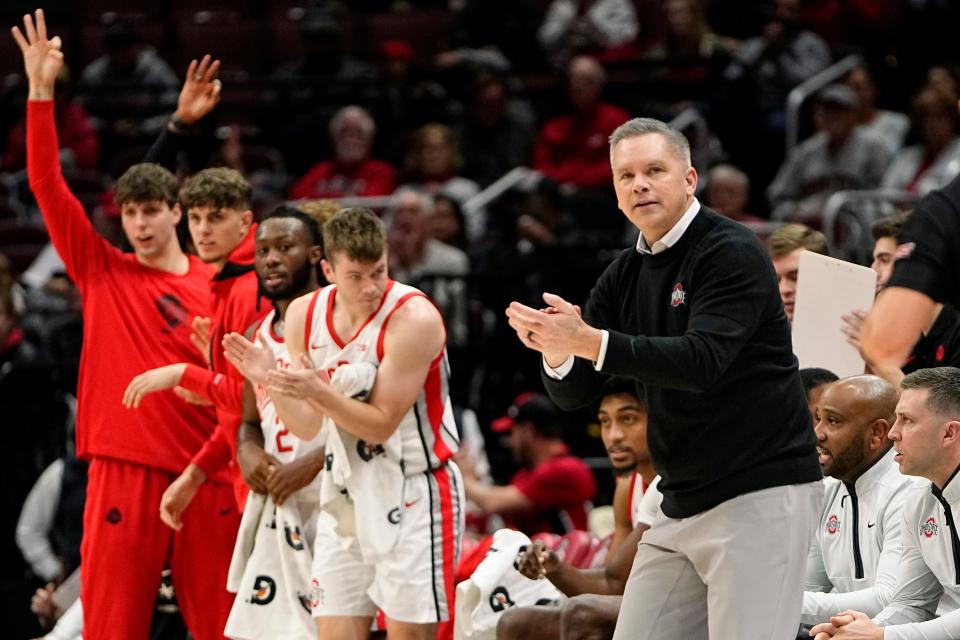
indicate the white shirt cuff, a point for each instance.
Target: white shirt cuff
{"x":604,"y":339}
{"x":560,"y":372}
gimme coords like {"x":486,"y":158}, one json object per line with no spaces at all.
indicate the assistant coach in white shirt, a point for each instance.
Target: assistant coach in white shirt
{"x":856,"y":549}
{"x":693,"y":314}
{"x":926,"y":439}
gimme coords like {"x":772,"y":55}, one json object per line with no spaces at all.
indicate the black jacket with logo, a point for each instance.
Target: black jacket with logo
{"x":701,"y":325}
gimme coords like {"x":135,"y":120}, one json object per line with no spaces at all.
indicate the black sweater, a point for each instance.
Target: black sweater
{"x":702,"y":327}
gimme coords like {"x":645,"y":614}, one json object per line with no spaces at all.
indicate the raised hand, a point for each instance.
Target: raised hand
{"x":200,"y":92}
{"x":252,"y":360}
{"x":42,"y":57}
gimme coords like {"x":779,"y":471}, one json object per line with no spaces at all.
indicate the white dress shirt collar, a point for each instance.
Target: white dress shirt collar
{"x":673,"y":236}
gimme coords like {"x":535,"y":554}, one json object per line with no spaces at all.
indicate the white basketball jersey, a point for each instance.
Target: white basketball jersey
{"x":428,"y":432}
{"x":277,"y":440}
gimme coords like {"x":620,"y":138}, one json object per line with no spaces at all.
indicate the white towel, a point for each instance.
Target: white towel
{"x":270,"y":573}
{"x":362,"y":490}
{"x":496,"y":586}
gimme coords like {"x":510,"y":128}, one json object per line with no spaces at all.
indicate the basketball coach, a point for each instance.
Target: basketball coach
{"x":693,"y":314}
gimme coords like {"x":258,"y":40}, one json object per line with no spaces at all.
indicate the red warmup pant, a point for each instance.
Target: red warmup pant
{"x":126,"y":546}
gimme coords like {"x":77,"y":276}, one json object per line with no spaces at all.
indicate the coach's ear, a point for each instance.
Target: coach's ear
{"x":951,"y":433}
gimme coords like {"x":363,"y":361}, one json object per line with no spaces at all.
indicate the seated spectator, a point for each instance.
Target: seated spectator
{"x":841,"y":156}
{"x":422,"y":261}
{"x":815,"y":382}
{"x":127,"y":83}
{"x":604,"y":28}
{"x":552,"y":489}
{"x":694,"y":56}
{"x":925,"y":441}
{"x":306,"y":92}
{"x":79,"y":144}
{"x":785,"y":246}
{"x":728,"y":192}
{"x":889,"y":125}
{"x":595,"y":595}
{"x":407,"y":97}
{"x":447,"y":223}
{"x":573,"y":149}
{"x":855,"y":553}
{"x":496,"y":137}
{"x":433,"y":163}
{"x":935,"y":161}
{"x":15,"y":347}
{"x":351,"y":172}
{"x":51,"y":521}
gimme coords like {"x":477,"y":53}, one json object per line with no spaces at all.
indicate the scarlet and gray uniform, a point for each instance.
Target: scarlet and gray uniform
{"x":415,"y":584}
{"x":856,"y":549}
{"x":277,"y":439}
{"x":928,"y":579}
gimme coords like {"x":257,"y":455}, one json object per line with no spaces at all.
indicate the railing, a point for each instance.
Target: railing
{"x":809,"y":87}
{"x":497,"y":188}
{"x":692,"y":119}
{"x":861,"y":219}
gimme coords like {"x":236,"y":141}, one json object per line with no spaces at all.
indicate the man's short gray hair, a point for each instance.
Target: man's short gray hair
{"x":643,"y":126}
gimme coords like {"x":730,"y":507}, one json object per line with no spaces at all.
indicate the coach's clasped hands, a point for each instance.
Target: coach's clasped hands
{"x":557,"y":330}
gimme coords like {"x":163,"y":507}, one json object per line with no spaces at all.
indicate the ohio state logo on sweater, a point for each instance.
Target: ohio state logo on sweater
{"x":833,"y":525}
{"x":679,"y":296}
{"x":929,"y":528}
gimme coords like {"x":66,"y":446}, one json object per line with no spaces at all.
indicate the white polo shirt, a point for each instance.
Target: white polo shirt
{"x":928,"y":580}
{"x":856,"y":549}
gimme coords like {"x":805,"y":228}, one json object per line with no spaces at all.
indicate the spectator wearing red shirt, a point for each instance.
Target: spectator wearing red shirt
{"x":573,"y":149}
{"x":552,"y":490}
{"x":352,"y":172}
{"x":137,"y":312}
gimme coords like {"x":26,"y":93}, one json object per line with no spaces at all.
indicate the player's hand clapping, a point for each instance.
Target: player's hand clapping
{"x":254,"y":361}
{"x":298,"y":383}
{"x":537,"y":561}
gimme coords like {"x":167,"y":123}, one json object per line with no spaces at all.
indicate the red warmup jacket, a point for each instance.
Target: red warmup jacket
{"x":236,"y":306}
{"x":135,"y":318}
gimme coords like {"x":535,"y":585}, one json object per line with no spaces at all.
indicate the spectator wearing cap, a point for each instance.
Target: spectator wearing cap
{"x":934,"y":162}
{"x":552,"y":489}
{"x":889,"y":125}
{"x":351,"y":172}
{"x":840,"y":156}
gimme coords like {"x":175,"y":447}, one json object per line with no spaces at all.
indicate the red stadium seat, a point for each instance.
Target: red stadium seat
{"x":575,"y":549}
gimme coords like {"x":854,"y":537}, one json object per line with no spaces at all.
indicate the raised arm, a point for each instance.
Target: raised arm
{"x":70,"y":230}
{"x":198,"y":97}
